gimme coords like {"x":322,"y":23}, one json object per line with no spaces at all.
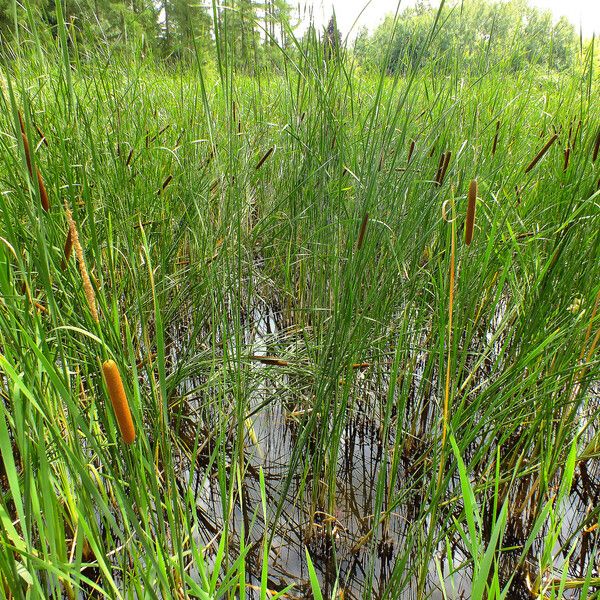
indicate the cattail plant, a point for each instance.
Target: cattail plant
{"x":445,"y":166}
{"x":438,"y":173}
{"x":411,"y":149}
{"x":166,"y":182}
{"x":495,"y":144}
{"x":42,"y":189}
{"x":266,"y":155}
{"x":67,"y":251}
{"x":567,"y":155}
{"x":541,"y":153}
{"x":470,"y":222}
{"x":88,"y":290}
{"x":40,"y":181}
{"x":118,"y":398}
{"x":362,"y":232}
{"x":596,"y":146}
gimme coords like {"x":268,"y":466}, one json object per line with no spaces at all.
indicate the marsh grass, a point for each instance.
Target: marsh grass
{"x":247,"y":315}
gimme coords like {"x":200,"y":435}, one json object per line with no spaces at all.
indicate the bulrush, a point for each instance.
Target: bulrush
{"x":363,"y":230}
{"x":27,"y":153}
{"x":596,"y":146}
{"x":118,"y":399}
{"x":541,"y":153}
{"x":567,"y":154}
{"x":43,"y":194}
{"x":68,"y":250}
{"x":495,"y":144}
{"x":88,"y":290}
{"x":445,"y":166}
{"x":470,"y":222}
{"x":266,"y":155}
{"x":411,"y":149}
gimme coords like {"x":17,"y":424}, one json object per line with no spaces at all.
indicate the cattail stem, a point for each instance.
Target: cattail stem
{"x":116,"y":393}
{"x":541,"y":153}
{"x":446,"y":407}
{"x":470,"y":222}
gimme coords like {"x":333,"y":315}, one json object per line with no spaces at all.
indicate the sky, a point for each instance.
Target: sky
{"x":584,"y":12}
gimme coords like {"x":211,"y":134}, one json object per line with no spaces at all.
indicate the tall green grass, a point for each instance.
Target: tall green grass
{"x":476,"y":365}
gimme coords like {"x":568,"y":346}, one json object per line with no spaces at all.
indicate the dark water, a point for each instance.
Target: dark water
{"x":342,"y":545}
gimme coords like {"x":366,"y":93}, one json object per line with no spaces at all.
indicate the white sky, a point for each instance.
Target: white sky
{"x":580,"y":12}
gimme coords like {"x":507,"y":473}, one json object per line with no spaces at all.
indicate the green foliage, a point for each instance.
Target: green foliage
{"x":475,"y":36}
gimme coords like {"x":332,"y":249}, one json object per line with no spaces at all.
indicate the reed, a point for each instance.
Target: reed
{"x":541,"y":153}
{"x":118,"y":399}
{"x":470,"y":221}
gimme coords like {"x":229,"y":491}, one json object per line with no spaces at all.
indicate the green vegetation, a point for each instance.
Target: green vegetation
{"x":333,"y":394}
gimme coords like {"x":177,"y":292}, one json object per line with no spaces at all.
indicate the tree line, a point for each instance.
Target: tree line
{"x":480,"y":34}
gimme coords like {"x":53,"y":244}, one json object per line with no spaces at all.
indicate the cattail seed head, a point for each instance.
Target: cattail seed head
{"x":116,"y":393}
{"x":541,"y":153}
{"x":470,"y":222}
{"x":67,"y":251}
{"x":445,"y":166}
{"x":27,"y":153}
{"x":43,"y":194}
{"x":363,"y":230}
{"x":266,"y":155}
{"x":596,"y":147}
{"x":88,"y":290}
{"x":411,"y":149}
{"x":495,"y":145}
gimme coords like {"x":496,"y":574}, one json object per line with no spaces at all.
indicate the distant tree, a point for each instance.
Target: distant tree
{"x":478,"y":34}
{"x":333,"y":40}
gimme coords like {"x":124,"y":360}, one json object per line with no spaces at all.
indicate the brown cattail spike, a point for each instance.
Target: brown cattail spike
{"x":362,"y":232}
{"x":68,"y":250}
{"x":495,"y":145}
{"x":116,"y":392}
{"x":43,"y":195}
{"x":445,"y":166}
{"x":596,"y":147}
{"x":266,"y":155}
{"x":541,"y":153}
{"x":27,"y":154}
{"x":470,"y":222}
{"x":166,"y":182}
{"x":567,"y":154}
{"x":438,"y":173}
{"x":411,"y":149}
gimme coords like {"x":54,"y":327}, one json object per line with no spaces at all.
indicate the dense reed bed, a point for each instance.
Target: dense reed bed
{"x":332,"y":389}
